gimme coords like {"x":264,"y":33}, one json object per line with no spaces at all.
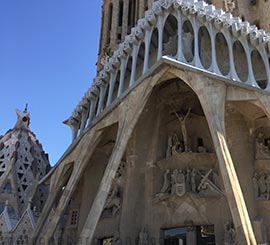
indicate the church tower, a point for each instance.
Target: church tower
{"x":119,"y":16}
{"x":22,"y":164}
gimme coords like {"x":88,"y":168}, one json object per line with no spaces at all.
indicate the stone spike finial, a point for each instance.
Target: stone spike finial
{"x":26,"y":107}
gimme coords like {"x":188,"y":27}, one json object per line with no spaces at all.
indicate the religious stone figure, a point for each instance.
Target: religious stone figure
{"x":170,"y":48}
{"x":176,"y":146}
{"x":208,"y":187}
{"x":143,"y":237}
{"x":229,"y":5}
{"x":169,"y":147}
{"x":262,"y":186}
{"x":188,"y":184}
{"x":178,"y":183}
{"x":166,"y":188}
{"x":255,"y":185}
{"x":182,"y":119}
{"x":193,"y":180}
{"x":113,"y":202}
{"x":229,"y":234}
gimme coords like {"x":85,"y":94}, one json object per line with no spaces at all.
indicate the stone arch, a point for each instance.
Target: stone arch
{"x":116,"y":85}
{"x":170,"y":36}
{"x":205,"y":47}
{"x":240,"y":61}
{"x":128,"y":73}
{"x":188,"y":41}
{"x":153,"y":51}
{"x":140,"y":61}
{"x":106,"y":94}
{"x":222,"y":54}
{"x":259,"y":69}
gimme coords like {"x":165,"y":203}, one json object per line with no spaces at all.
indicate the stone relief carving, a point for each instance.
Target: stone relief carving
{"x":229,"y":5}
{"x":261,"y":185}
{"x":170,"y":47}
{"x":166,"y":3}
{"x":262,"y":147}
{"x":114,"y":200}
{"x":178,"y":182}
{"x":176,"y":146}
{"x":143,"y":237}
{"x":229,"y":234}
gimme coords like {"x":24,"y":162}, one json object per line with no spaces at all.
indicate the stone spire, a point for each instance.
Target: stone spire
{"x":22,"y":164}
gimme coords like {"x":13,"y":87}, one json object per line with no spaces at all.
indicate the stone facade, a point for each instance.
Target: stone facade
{"x":118,"y":17}
{"x":171,"y":142}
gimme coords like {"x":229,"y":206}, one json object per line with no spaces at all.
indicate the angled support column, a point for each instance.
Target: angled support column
{"x":78,"y":170}
{"x":212,"y":95}
{"x":129,"y":116}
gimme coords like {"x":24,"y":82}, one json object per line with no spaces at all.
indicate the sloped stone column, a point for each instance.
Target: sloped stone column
{"x":130,"y":113}
{"x":79,"y":167}
{"x":212,"y":96}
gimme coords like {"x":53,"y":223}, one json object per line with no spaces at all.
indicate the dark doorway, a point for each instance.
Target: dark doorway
{"x":175,"y":236}
{"x":200,"y":235}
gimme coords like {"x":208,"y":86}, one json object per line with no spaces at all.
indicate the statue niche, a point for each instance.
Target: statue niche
{"x":229,"y":234}
{"x":261,"y":185}
{"x":262,"y":147}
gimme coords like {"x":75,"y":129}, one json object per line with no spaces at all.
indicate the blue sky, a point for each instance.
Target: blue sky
{"x":48,"y":51}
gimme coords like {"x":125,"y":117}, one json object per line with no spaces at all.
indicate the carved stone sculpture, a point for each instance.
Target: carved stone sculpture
{"x":177,"y":182}
{"x":229,"y":5}
{"x":169,"y":147}
{"x":206,"y":186}
{"x":193,"y":180}
{"x":255,"y":185}
{"x":182,"y":119}
{"x":143,"y":237}
{"x":261,"y":185}
{"x":229,"y":234}
{"x":113,"y":202}
{"x":176,"y":146}
{"x":166,"y":188}
{"x":170,"y":48}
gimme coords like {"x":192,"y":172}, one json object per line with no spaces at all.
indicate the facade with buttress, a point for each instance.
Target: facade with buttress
{"x":171,"y":143}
